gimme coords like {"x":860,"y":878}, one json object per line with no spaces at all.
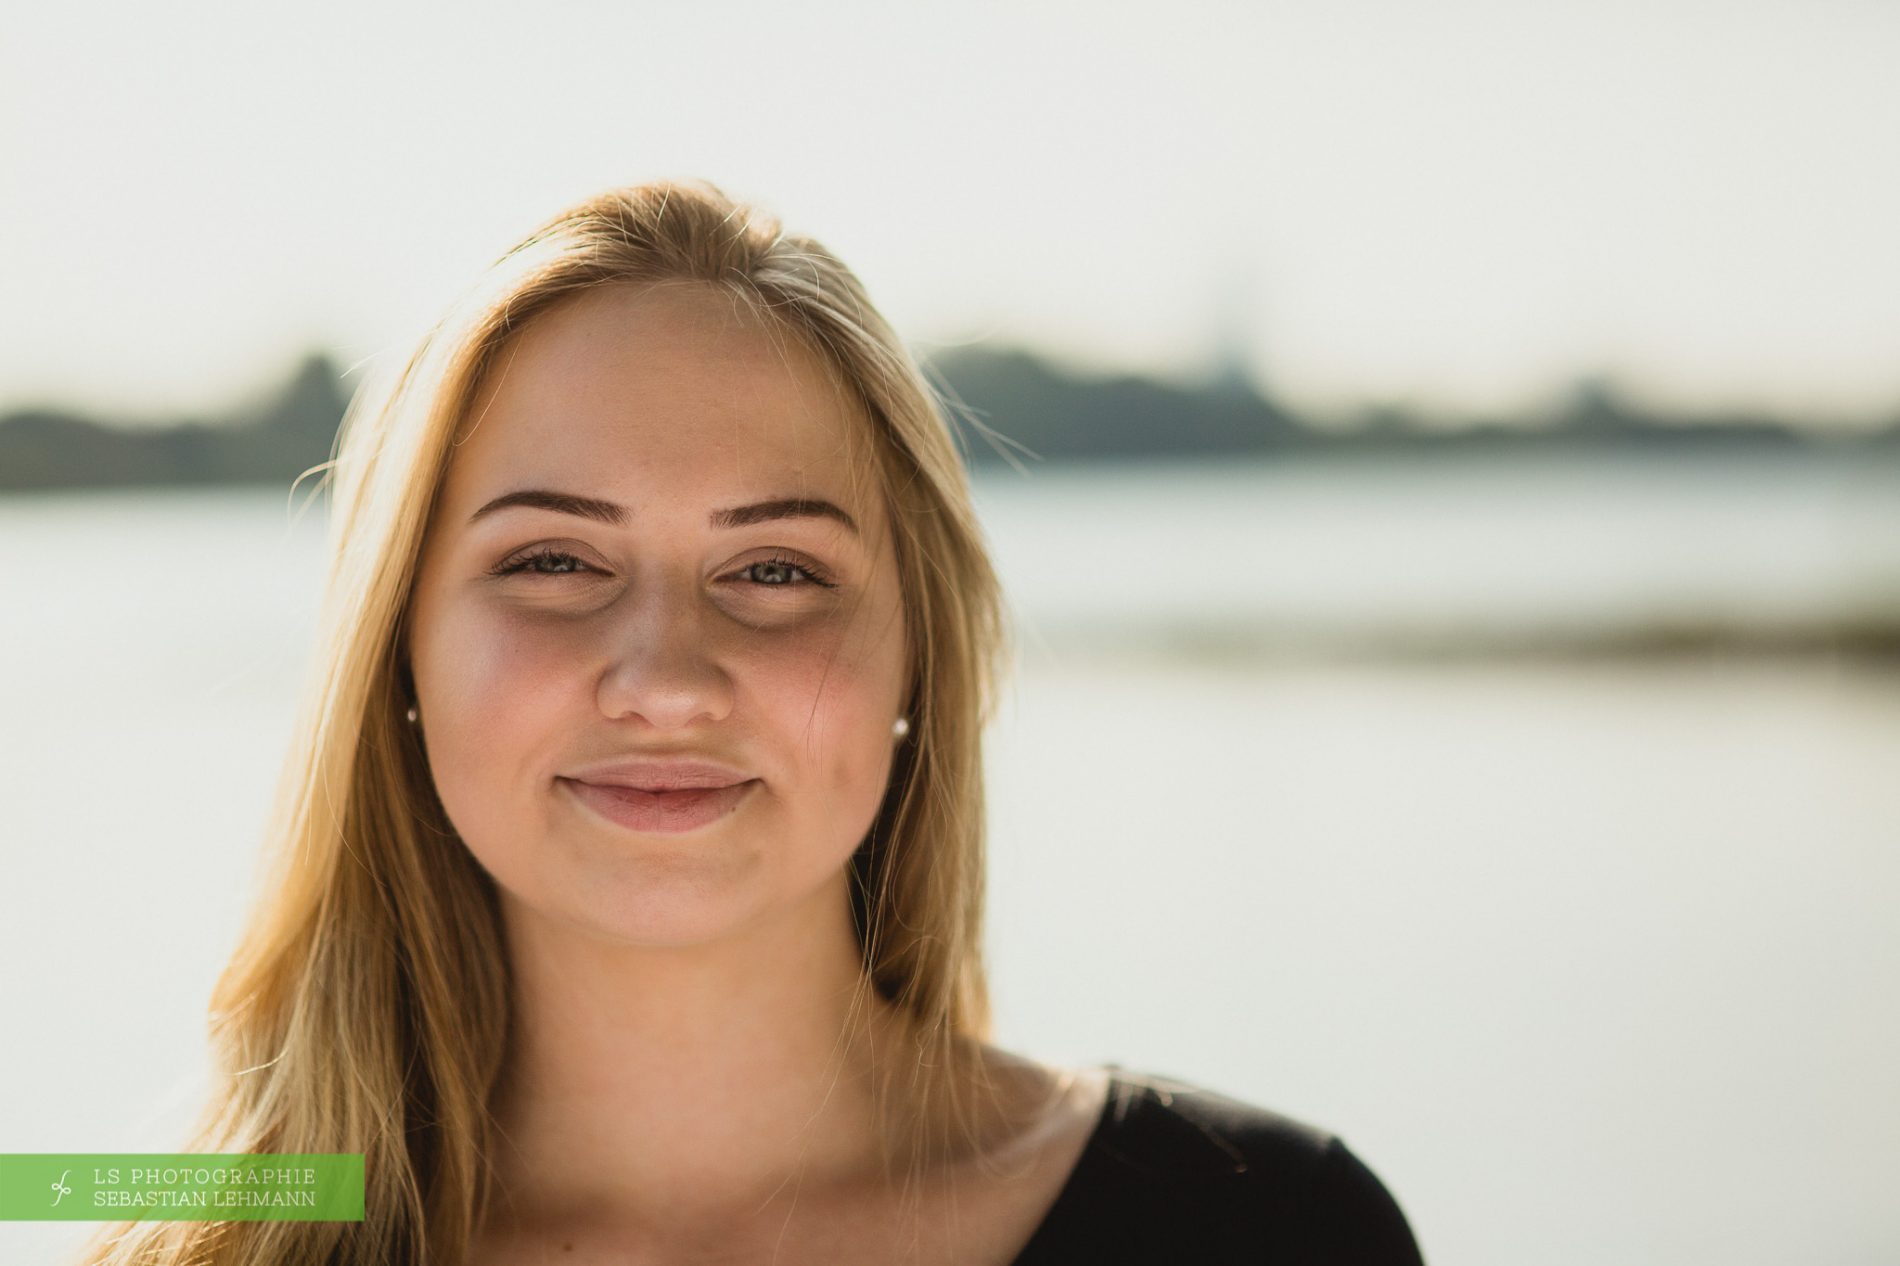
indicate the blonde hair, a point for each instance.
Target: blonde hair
{"x":366,"y":1006}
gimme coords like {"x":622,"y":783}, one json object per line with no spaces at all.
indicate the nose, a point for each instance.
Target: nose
{"x":663,"y":668}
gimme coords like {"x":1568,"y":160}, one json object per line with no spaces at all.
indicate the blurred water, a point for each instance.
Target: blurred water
{"x":1592,"y":961}
{"x":1499,"y":550}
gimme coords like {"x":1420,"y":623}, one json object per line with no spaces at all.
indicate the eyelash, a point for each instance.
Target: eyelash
{"x":523,"y":563}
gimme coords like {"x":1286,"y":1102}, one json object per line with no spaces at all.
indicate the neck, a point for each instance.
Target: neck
{"x":679,"y":1083}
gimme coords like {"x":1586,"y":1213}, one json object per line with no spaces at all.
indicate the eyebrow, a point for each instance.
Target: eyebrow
{"x":609,"y":513}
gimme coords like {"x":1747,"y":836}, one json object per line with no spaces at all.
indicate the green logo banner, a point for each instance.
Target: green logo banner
{"x":186,"y":1187}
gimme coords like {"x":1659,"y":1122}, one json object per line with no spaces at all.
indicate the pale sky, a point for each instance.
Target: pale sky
{"x":1456,"y":204}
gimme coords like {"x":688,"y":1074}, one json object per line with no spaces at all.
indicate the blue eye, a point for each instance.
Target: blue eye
{"x":782,"y":566}
{"x":569,"y":565}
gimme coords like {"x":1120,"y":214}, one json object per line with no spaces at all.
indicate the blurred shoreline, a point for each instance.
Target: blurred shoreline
{"x":1872,"y":645}
{"x":1006,"y":406}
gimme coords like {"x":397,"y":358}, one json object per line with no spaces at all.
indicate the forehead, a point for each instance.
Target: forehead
{"x":625,"y":390}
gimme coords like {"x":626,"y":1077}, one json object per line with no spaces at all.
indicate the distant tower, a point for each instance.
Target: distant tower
{"x":1236,"y":321}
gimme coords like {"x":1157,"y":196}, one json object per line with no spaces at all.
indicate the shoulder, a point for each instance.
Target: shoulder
{"x":1185,"y":1172}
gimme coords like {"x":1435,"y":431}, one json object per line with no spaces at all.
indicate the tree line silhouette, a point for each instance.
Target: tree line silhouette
{"x":1006,"y":405}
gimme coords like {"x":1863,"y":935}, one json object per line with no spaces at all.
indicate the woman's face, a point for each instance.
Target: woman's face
{"x":669,"y":608}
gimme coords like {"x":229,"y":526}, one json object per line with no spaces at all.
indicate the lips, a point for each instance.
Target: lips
{"x":663,"y":812}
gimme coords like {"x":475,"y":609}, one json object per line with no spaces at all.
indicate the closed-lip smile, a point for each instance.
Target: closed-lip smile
{"x":663,"y":797}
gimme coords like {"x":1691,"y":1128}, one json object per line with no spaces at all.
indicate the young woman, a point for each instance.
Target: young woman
{"x":629,"y":905}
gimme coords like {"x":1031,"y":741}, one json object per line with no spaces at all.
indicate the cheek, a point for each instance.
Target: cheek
{"x":832,"y":701}
{"x":498,"y":664}
{"x":493,"y":691}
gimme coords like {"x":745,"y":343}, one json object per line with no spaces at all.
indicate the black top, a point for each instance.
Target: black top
{"x":1175,"y":1173}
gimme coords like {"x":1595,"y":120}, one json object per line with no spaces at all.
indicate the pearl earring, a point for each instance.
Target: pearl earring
{"x":900,"y":727}
{"x":412,"y":714}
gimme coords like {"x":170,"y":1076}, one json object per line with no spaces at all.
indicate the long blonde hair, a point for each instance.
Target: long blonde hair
{"x":366,"y":1006}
